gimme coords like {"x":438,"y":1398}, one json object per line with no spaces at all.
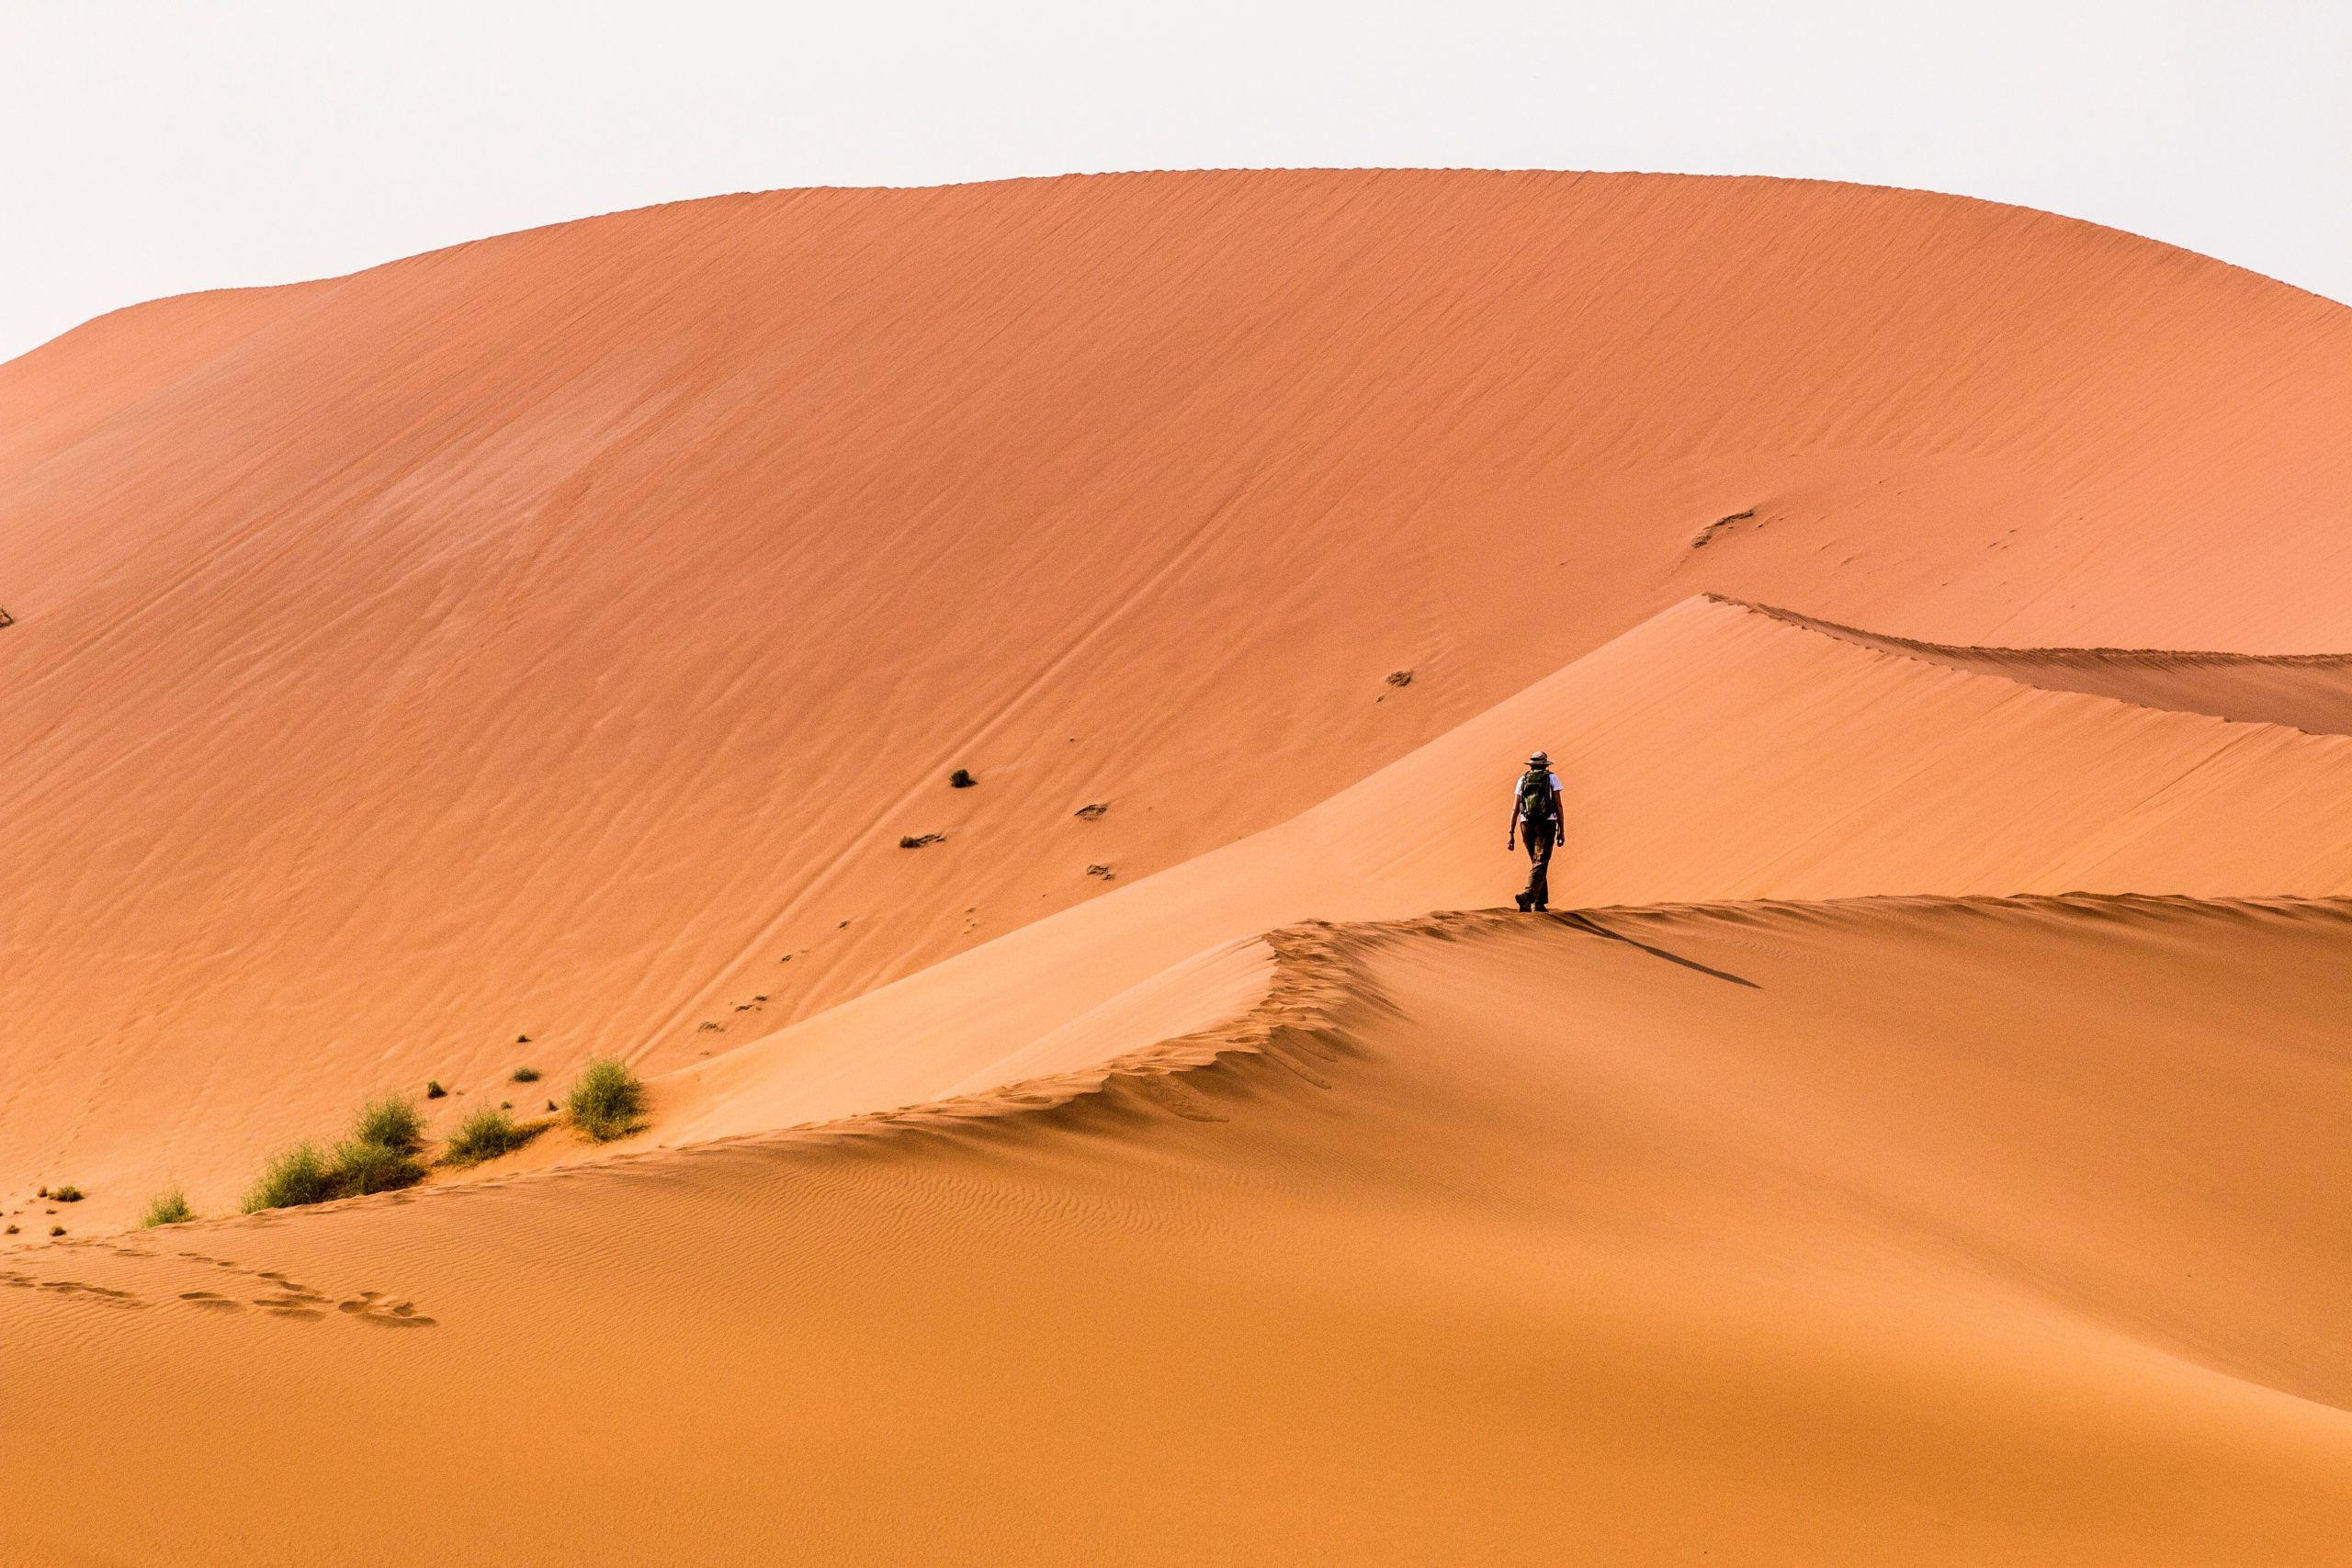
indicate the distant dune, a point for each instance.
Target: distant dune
{"x":1925,"y":1152}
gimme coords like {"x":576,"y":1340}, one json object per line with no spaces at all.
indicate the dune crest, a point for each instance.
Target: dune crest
{"x":2309,"y":691}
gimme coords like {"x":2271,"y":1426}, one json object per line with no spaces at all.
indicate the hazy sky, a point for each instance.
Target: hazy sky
{"x":154,"y":148}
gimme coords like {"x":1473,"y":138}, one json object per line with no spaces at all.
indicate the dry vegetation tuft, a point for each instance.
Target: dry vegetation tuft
{"x":609,"y":1102}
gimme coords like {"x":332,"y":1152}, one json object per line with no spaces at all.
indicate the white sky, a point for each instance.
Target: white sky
{"x":150,"y":147}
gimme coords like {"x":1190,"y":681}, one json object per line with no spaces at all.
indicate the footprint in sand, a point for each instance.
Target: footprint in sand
{"x":368,"y":1307}
{"x":211,"y":1302}
{"x":107,"y":1294}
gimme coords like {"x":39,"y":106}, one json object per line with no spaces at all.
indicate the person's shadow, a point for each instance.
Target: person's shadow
{"x":1582,"y":922}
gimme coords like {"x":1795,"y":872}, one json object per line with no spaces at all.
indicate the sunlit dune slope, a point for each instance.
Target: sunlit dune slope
{"x":1716,"y":752}
{"x":551,"y":634}
{"x":1899,"y":1231}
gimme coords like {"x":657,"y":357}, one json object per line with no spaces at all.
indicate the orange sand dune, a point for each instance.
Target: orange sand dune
{"x":543,"y":647}
{"x":551,"y":634}
{"x":1911,"y":1231}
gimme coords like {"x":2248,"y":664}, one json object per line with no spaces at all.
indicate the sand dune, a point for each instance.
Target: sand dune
{"x":1928,"y":1151}
{"x":1912,"y":1231}
{"x":550,"y":636}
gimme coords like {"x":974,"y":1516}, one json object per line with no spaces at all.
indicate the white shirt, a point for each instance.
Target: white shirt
{"x":1522,"y":805}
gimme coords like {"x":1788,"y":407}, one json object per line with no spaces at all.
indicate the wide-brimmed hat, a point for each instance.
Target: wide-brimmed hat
{"x":1539,"y":759}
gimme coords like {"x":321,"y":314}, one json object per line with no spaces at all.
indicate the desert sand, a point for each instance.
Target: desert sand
{"x":1920,"y":1132}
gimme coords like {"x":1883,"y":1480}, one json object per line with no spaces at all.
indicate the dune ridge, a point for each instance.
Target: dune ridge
{"x":2311,"y":692}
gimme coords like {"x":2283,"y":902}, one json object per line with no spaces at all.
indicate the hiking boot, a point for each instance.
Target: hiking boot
{"x":1522,"y":899}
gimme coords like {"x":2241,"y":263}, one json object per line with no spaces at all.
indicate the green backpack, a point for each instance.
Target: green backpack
{"x":1535,"y":795}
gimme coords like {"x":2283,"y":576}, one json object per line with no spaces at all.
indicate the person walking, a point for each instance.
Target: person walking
{"x":1535,"y":816}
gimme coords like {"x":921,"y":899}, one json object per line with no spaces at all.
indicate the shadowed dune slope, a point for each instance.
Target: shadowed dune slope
{"x":2311,"y":692}
{"x":1716,"y":752}
{"x":551,"y":634}
{"x":1898,"y":1231}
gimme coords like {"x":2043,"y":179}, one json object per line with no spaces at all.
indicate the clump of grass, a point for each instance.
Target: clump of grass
{"x":168,"y":1208}
{"x":433,"y":1091}
{"x":391,"y":1122}
{"x":69,"y":1193}
{"x":362,"y":1168}
{"x":379,"y":1155}
{"x":486,"y":1134}
{"x":608,"y":1101}
{"x":961,"y":779}
{"x":294,"y":1176}
{"x":57,"y":1230}
{"x":525,"y":1075}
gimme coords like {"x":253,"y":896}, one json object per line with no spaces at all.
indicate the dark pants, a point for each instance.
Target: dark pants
{"x":1539,"y":836}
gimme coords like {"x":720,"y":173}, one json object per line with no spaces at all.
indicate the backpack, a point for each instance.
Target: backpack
{"x":1535,"y":795}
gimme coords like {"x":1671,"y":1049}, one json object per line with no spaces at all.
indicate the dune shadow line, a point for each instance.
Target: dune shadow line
{"x":1586,"y":922}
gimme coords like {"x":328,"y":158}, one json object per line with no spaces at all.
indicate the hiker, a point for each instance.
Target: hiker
{"x":1535,"y":816}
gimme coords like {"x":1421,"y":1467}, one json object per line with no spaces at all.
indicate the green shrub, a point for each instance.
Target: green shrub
{"x":379,"y":1155}
{"x":526,"y":1075}
{"x":169,"y":1208}
{"x":391,"y":1122}
{"x":363,"y":1168}
{"x":299,"y":1175}
{"x":609,"y":1101}
{"x":486,"y":1134}
{"x":69,"y":1193}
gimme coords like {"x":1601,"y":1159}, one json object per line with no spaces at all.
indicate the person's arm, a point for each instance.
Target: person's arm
{"x":1559,"y":807}
{"x":1511,"y":835}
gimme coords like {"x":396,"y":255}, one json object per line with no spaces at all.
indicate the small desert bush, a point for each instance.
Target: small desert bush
{"x":526,"y":1075}
{"x":391,"y":1122}
{"x":69,"y":1193}
{"x":486,"y":1134}
{"x":169,"y":1208}
{"x":434,"y":1090}
{"x":379,"y":1155}
{"x":609,"y":1099}
{"x":362,"y":1168}
{"x":296,"y":1176}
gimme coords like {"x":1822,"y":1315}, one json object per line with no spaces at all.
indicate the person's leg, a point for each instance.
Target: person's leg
{"x":1539,"y":859}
